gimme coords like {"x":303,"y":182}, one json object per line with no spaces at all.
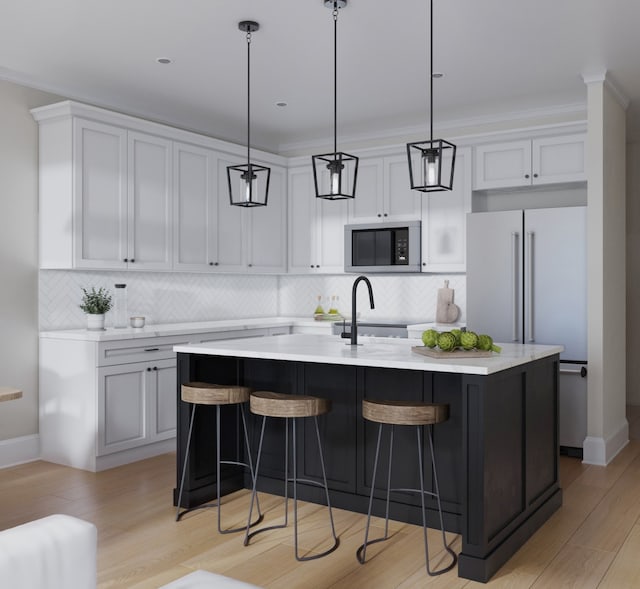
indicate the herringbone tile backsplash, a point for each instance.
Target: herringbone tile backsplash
{"x":181,"y":297}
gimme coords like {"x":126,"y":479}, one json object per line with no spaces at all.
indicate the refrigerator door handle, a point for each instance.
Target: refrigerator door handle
{"x":530,"y":334}
{"x":514,"y":283}
{"x":582,"y":371}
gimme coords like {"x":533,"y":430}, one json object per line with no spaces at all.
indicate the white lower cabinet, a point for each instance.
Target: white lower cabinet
{"x":136,"y":404}
{"x":104,"y":404}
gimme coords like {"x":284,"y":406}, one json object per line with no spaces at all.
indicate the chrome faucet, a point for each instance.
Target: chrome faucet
{"x":354,"y":321}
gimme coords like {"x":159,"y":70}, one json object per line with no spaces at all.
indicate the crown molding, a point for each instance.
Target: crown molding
{"x":605,"y":79}
{"x":451,"y":126}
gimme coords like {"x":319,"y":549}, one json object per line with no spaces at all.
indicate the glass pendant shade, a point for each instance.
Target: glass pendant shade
{"x":335,"y":175}
{"x":248,"y":185}
{"x":431,"y":165}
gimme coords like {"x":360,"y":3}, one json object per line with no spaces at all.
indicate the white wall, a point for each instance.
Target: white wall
{"x":19,"y":256}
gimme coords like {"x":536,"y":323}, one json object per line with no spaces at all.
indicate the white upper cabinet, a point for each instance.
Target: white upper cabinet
{"x":195,"y":208}
{"x":113,"y":196}
{"x":105,"y":197}
{"x":544,"y":160}
{"x":444,"y":217}
{"x":383,"y":192}
{"x":149,"y":211}
{"x":266,"y":228}
{"x":316,"y":227}
{"x":98,"y":194}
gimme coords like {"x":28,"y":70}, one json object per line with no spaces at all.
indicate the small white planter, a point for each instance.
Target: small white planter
{"x":95,"y":322}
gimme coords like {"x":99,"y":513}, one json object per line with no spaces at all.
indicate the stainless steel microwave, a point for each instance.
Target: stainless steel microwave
{"x":382,"y":247}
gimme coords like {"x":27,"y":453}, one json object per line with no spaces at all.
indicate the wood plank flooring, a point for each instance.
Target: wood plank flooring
{"x":592,"y":541}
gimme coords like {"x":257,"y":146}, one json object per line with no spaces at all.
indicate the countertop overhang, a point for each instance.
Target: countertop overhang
{"x":378,"y":352}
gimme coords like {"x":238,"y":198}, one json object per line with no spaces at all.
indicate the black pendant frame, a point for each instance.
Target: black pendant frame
{"x":444,"y":154}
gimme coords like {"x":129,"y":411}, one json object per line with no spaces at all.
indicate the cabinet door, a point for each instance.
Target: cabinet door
{"x":122,"y":407}
{"x":150,"y":202}
{"x":444,"y":214}
{"x":302,"y":221}
{"x":503,"y":165}
{"x":162,"y":401}
{"x":559,"y":159}
{"x":401,"y":203}
{"x":100,"y":179}
{"x":195,"y":210}
{"x":331,"y":217}
{"x":230,"y":232}
{"x":367,"y":206}
{"x":267,"y":235}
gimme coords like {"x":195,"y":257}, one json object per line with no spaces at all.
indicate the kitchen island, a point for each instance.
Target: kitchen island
{"x":497,"y":454}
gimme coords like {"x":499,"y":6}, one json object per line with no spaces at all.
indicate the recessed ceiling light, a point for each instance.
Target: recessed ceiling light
{"x":163,"y":60}
{"x":281,"y":103}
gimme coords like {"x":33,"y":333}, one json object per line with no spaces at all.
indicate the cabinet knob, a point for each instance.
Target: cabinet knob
{"x":210,"y":263}
{"x":132,"y":260}
{"x":148,"y":369}
{"x":385,"y":215}
{"x":250,"y":265}
{"x":317,"y":265}
{"x":312,"y":266}
{"x":424,"y":263}
{"x":379,"y":215}
{"x":126,"y":260}
{"x":535,"y":175}
{"x":526,"y":175}
{"x":155,"y":368}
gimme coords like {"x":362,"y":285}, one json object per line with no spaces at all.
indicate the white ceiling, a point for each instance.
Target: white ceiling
{"x":498,"y":56}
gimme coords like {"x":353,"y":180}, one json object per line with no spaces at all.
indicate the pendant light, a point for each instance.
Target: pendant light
{"x":431,"y":163}
{"x":248,"y":183}
{"x":335,"y":174}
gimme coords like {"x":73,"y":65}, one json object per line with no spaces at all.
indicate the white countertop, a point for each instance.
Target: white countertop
{"x":169,"y":329}
{"x":379,"y":352}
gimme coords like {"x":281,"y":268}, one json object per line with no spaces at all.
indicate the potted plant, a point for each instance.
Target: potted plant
{"x":95,"y":303}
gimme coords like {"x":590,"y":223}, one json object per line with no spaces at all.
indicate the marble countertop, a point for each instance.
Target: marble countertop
{"x":379,"y":352}
{"x":169,"y":329}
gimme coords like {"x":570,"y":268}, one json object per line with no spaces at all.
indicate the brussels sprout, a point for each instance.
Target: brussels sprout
{"x":447,"y":341}
{"x":430,"y":338}
{"x":468,"y":340}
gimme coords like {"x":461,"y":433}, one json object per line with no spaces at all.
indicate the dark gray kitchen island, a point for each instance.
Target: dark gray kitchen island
{"x":497,"y":454}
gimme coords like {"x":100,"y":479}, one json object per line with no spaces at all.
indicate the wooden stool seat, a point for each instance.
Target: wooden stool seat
{"x":204,"y":393}
{"x":270,"y":404}
{"x":404,"y":412}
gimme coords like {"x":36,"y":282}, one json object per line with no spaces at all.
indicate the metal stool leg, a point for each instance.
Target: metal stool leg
{"x":454,"y":557}
{"x":361,"y":553}
{"x":218,"y":473}
{"x":186,"y":459}
{"x":294,"y":480}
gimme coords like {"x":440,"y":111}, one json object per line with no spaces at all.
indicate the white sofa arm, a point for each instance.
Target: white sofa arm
{"x":58,"y":551}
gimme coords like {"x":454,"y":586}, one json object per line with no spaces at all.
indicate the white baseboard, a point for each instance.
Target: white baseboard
{"x":601,"y":452}
{"x":19,"y":450}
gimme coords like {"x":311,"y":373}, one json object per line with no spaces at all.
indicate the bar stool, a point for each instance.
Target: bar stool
{"x":269,"y":404}
{"x":204,"y":393}
{"x":413,"y":414}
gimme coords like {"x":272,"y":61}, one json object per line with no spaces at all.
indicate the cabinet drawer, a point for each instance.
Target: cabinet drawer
{"x":139,"y":350}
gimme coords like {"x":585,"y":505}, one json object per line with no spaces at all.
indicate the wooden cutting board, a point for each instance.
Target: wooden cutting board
{"x":433,"y":353}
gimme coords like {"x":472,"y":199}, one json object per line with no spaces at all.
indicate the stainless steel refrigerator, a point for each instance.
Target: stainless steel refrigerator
{"x":527,"y":283}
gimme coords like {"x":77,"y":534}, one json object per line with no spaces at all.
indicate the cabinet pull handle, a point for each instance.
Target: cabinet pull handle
{"x":514,"y":283}
{"x":152,"y":349}
{"x":530,"y":235}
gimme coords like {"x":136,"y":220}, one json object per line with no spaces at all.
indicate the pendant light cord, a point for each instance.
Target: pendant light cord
{"x":431,"y":73}
{"x":335,"y":77}
{"x":248,"y":99}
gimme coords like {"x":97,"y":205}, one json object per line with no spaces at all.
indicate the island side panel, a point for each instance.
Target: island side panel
{"x":511,"y":458}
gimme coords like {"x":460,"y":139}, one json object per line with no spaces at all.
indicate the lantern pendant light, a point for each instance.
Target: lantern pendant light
{"x":431,"y":163}
{"x":248,"y":183}
{"x":335,"y":174}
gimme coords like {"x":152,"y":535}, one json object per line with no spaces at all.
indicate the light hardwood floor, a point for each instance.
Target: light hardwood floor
{"x":592,"y":541}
